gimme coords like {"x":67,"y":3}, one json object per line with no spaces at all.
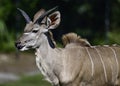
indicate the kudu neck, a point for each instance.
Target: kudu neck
{"x":45,"y":46}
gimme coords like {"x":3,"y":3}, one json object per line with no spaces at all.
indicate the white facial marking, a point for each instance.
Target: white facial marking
{"x":23,"y":49}
{"x":26,"y":33}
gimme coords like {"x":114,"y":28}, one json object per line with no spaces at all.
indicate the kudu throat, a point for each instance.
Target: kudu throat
{"x":50,"y":41}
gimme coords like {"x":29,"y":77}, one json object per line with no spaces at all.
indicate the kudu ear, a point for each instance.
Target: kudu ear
{"x":53,"y":20}
{"x":47,"y":15}
{"x":38,"y":14}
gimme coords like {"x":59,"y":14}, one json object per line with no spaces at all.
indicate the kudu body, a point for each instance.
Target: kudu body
{"x":78,"y":63}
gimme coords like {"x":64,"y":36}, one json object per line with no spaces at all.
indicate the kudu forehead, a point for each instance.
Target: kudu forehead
{"x":28,"y":27}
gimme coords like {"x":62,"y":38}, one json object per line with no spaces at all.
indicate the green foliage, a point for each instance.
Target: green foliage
{"x":5,"y":8}
{"x":36,"y":80}
{"x":6,"y":38}
{"x":114,"y":37}
{"x":84,"y":8}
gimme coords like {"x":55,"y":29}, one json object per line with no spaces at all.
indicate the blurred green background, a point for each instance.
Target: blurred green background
{"x":96,"y":20}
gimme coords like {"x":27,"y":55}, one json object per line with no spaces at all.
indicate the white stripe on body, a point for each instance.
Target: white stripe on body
{"x":92,"y":63}
{"x":102,"y":64}
{"x":117,"y":64}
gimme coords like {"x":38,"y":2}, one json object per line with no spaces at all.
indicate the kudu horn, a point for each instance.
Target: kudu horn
{"x":27,"y":18}
{"x":45,"y":14}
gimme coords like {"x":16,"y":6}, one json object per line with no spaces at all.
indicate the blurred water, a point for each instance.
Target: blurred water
{"x":5,"y":77}
{"x":11,"y":68}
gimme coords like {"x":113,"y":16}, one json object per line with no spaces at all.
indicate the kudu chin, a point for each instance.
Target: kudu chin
{"x":77,"y":63}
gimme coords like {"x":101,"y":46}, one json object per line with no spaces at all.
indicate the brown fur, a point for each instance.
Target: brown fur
{"x":74,"y":38}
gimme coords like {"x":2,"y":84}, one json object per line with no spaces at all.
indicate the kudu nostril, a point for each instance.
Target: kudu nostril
{"x":17,"y":44}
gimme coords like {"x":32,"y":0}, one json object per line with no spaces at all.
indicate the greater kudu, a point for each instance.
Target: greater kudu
{"x":78,"y":63}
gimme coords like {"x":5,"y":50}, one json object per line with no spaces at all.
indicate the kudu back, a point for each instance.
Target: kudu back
{"x":78,"y":63}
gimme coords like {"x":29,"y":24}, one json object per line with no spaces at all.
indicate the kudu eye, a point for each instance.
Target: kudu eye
{"x":35,"y":31}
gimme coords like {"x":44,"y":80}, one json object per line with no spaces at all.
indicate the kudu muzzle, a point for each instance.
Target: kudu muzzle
{"x":18,"y":45}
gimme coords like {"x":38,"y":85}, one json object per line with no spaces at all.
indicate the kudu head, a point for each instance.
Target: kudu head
{"x":35,"y":30}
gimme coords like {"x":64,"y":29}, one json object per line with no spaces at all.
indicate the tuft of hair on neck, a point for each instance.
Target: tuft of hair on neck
{"x":50,"y":38}
{"x":74,"y":38}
